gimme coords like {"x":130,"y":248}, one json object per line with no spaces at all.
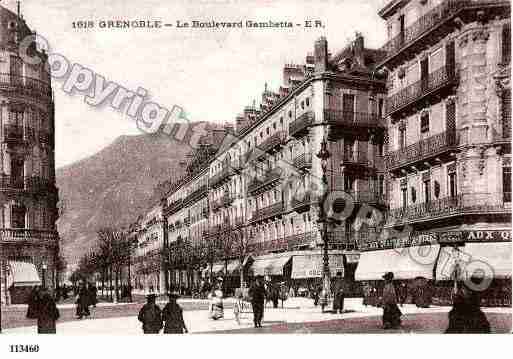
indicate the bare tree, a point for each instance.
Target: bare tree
{"x":241,"y":248}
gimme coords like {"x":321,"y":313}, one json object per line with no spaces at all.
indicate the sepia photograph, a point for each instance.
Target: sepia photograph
{"x":254,"y":167}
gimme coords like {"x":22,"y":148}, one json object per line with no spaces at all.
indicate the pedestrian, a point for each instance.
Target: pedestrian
{"x":257,"y":294}
{"x":93,"y":294}
{"x":391,"y":312}
{"x":43,"y":308}
{"x":403,"y":293}
{"x":150,"y":315}
{"x":172,"y":316}
{"x":366,"y":289}
{"x":216,"y":309}
{"x":338,"y":293}
{"x":237,"y":306}
{"x":283,"y":293}
{"x":83,"y":302}
{"x":274,"y":294}
{"x":466,"y":315}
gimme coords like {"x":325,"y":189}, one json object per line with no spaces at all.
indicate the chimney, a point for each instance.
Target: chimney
{"x":321,"y":54}
{"x":359,"y":49}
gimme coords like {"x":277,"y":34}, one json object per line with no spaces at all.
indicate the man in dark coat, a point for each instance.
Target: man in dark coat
{"x":172,"y":315}
{"x":83,"y":302}
{"x":150,"y":316}
{"x":43,"y":308}
{"x":391,"y":312}
{"x":338,"y":293}
{"x":466,"y":315}
{"x":257,"y":294}
{"x":93,"y":294}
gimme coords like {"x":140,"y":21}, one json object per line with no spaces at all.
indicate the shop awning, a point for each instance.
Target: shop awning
{"x":310,"y":265}
{"x":269,"y":265}
{"x":405,"y":263}
{"x":494,"y":256}
{"x":24,"y":274}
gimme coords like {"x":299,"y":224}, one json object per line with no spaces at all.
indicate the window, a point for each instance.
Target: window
{"x":290,"y":114}
{"x":18,"y":216}
{"x":307,"y":101}
{"x":427,"y":191}
{"x":274,"y":125}
{"x":17,"y":171}
{"x":380,"y":149}
{"x":281,"y":120}
{"x":302,"y":105}
{"x":506,"y":184}
{"x":267,"y":131}
{"x":402,"y":137}
{"x":424,"y":122}
{"x":404,"y":197}
{"x":381,"y":185}
{"x":506,"y":44}
{"x":380,"y":108}
{"x":453,"y":191}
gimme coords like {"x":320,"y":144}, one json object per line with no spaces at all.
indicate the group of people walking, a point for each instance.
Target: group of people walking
{"x":42,"y":306}
{"x":87,"y":297}
{"x":153,"y":319}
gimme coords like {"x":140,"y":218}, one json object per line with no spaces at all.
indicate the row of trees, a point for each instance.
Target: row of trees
{"x":112,"y":254}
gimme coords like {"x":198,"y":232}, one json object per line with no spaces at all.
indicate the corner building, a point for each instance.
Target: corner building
{"x":448,"y":153}
{"x":255,"y":196}
{"x":28,"y":196}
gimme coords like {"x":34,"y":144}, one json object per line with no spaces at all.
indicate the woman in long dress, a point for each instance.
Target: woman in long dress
{"x":391,"y":312}
{"x":216,"y":302}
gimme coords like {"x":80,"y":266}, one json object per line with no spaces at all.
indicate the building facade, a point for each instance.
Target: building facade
{"x":256,"y":195}
{"x":448,"y":153}
{"x":28,"y":241}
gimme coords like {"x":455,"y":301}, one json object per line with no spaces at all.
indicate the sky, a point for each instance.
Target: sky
{"x":211,"y":74}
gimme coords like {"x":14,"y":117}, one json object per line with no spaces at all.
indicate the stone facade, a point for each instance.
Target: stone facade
{"x":28,"y":195}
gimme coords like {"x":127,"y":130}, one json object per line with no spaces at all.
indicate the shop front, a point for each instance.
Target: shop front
{"x":22,"y":278}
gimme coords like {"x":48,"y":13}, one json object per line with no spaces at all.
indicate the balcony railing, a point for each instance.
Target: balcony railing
{"x":445,"y":75}
{"x":357,"y":158}
{"x":448,"y":206}
{"x":373,"y":197}
{"x":303,"y":161}
{"x":352,"y":118}
{"x":342,"y":239}
{"x":273,"y":210}
{"x":300,"y":240}
{"x":271,"y":178}
{"x":301,"y":203}
{"x":196,"y":194}
{"x":173,"y":207}
{"x":11,"y":234}
{"x":32,"y":184}
{"x":304,"y":121}
{"x":27,"y":85}
{"x":422,"y":150}
{"x":273,"y":141}
{"x":220,"y":177}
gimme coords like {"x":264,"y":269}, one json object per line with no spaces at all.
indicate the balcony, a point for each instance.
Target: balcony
{"x":274,"y":142}
{"x":471,"y":203}
{"x":369,"y":197}
{"x":356,"y":158}
{"x":197,"y":194}
{"x":32,"y":184}
{"x":28,"y":235}
{"x":297,"y":241}
{"x":340,"y":239}
{"x":271,"y":211}
{"x":271,"y":179}
{"x":299,"y":127}
{"x":303,"y":161}
{"x":25,"y":85}
{"x":173,"y":207}
{"x":437,"y":80}
{"x":352,"y":119}
{"x":440,"y":20}
{"x":301,"y":203}
{"x":221,"y":177}
{"x":419,"y":152}
{"x":44,"y":137}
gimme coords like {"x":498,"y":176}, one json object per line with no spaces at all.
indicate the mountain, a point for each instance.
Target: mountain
{"x":113,"y":187}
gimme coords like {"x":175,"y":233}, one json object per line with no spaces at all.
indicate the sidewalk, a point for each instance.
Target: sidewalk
{"x":296,"y":310}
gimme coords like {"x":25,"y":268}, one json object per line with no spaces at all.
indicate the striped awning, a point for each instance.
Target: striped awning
{"x":269,"y":265}
{"x":24,"y":274}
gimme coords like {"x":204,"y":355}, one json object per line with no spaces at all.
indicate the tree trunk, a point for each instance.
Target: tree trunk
{"x":110,"y":283}
{"x":116,"y":285}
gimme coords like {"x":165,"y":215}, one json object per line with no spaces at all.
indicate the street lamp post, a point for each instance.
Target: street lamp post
{"x":324,"y":155}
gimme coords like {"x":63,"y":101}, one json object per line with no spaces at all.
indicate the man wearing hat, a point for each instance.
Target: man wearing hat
{"x":338,"y":292}
{"x":172,"y":315}
{"x":150,"y":315}
{"x":391,"y":312}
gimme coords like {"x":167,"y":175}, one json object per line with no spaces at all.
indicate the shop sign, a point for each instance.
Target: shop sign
{"x":310,"y":266}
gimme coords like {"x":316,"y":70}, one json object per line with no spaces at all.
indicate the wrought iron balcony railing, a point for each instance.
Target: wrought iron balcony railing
{"x":274,"y":141}
{"x":33,"y":184}
{"x":302,"y":239}
{"x":303,"y":161}
{"x":27,"y":85}
{"x":352,"y":118}
{"x":301,"y":203}
{"x":373,"y":197}
{"x":271,"y":179}
{"x":219,"y":178}
{"x":273,"y":210}
{"x":202,"y":190}
{"x":420,"y":151}
{"x":173,"y":207}
{"x":298,"y":126}
{"x":355,"y":158}
{"x":448,"y":206}
{"x":13,"y":234}
{"x":340,"y":239}
{"x":409,"y":95}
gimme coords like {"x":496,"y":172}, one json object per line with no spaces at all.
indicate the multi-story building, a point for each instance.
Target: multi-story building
{"x":448,"y":155}
{"x":148,"y":239}
{"x":257,"y":196}
{"x":28,"y":196}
